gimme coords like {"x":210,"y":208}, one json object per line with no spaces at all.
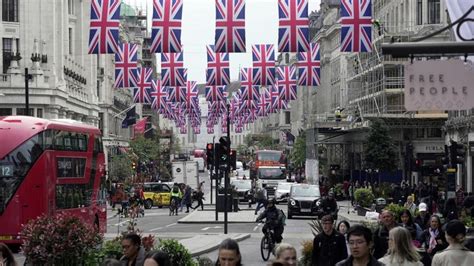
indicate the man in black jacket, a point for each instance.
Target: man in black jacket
{"x":360,"y":241}
{"x":329,"y":247}
{"x":381,"y":234}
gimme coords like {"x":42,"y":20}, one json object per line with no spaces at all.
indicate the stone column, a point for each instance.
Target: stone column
{"x":52,"y":112}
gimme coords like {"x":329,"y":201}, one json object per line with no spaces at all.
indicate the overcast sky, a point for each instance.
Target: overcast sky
{"x":198,"y":29}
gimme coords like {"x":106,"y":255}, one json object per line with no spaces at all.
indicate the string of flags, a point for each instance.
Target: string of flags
{"x":265,"y":88}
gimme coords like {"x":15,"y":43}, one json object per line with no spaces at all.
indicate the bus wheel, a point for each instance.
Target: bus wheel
{"x":148,"y":204}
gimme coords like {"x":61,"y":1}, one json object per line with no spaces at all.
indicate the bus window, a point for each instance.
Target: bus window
{"x":70,"y":141}
{"x":73,"y":196}
{"x":15,"y":165}
{"x":70,"y":167}
{"x":98,"y":146}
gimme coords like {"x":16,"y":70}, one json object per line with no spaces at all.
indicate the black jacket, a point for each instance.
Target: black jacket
{"x":380,"y":242}
{"x":425,"y":240}
{"x":328,"y":249}
{"x":348,"y":262}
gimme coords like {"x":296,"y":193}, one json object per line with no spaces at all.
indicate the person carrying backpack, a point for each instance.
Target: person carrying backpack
{"x":175,"y":196}
{"x":274,"y":219}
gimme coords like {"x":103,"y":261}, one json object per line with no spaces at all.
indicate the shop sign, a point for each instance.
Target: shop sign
{"x":439,"y":85}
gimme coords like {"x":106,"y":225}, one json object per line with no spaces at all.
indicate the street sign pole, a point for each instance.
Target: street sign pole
{"x":226,"y":177}
{"x":216,"y":177}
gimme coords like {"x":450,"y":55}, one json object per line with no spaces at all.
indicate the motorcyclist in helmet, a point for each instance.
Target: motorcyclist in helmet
{"x":274,"y":219}
{"x":329,"y":206}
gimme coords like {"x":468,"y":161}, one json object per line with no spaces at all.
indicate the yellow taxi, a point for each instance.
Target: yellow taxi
{"x":156,"y":194}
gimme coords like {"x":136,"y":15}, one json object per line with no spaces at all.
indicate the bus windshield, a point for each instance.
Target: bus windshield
{"x":271,"y":173}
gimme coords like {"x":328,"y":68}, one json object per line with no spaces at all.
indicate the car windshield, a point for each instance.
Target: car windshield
{"x":240,"y":184}
{"x":305,"y":191}
{"x":269,"y":156}
{"x":271,"y":173}
{"x":284,"y":186}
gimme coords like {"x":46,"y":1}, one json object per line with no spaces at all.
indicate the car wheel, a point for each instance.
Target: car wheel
{"x":148,"y":204}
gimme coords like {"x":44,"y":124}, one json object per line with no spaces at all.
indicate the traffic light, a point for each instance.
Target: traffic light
{"x":446,"y":159}
{"x":233,"y":159}
{"x":417,"y":163}
{"x":457,"y":152}
{"x":224,"y":151}
{"x":210,"y":154}
{"x":134,"y":166}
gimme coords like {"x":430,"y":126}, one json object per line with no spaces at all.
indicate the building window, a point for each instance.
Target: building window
{"x":287,"y":118}
{"x":434,"y":133}
{"x":10,"y":10}
{"x":101,"y":122}
{"x":420,"y":133}
{"x":419,"y":12}
{"x":433,"y":12}
{"x":21,"y":111}
{"x":39,"y":113}
{"x":5,"y":111}
{"x":70,"y":7}
{"x":70,"y":41}
{"x":7,"y":53}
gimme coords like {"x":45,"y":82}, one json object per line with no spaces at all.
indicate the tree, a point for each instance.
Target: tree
{"x":298,"y":154}
{"x":120,"y":167}
{"x":380,"y":151}
{"x":147,"y":150}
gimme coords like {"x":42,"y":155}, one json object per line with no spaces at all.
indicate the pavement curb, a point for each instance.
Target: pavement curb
{"x":205,"y":250}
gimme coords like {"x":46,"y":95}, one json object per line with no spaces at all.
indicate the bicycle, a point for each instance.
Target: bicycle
{"x":174,"y":207}
{"x":267,"y":244}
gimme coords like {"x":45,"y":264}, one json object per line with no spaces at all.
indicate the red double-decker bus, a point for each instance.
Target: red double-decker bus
{"x":46,"y":167}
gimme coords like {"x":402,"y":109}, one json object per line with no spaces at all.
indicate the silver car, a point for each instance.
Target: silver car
{"x":283,"y":191}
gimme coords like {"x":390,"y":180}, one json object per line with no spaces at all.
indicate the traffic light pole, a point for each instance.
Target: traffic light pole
{"x":211,"y":169}
{"x":226,"y":177}
{"x":216,"y":167}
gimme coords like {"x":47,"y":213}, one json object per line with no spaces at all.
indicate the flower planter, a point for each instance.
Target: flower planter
{"x":361,"y":211}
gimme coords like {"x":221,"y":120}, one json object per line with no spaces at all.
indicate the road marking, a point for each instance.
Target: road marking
{"x":171,"y":224}
{"x":154,"y":229}
{"x":256,"y":227}
{"x":211,"y":227}
{"x":121,"y":223}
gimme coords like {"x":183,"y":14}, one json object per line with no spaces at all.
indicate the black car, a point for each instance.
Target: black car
{"x":244,"y":189}
{"x":304,"y":200}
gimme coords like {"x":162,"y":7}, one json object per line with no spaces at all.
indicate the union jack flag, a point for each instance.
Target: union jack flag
{"x":309,"y":67}
{"x":247,"y":90}
{"x":217,"y":72}
{"x":141,"y":93}
{"x":210,"y":130}
{"x":356,"y":26}
{"x":125,"y":65}
{"x":215,"y":93}
{"x":159,"y":96}
{"x":263,"y":106}
{"x":176,"y":95}
{"x":104,"y":27}
{"x":293,"y":33}
{"x":238,"y":129}
{"x":277,"y":102}
{"x":263,"y":56}
{"x":166,"y":26}
{"x":230,"y":26}
{"x":183,"y":129}
{"x":287,"y":82}
{"x":191,"y":93}
{"x":172,"y":71}
{"x":197,"y":130}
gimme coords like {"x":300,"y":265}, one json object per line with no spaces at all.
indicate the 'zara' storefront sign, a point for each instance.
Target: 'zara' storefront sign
{"x":439,"y":85}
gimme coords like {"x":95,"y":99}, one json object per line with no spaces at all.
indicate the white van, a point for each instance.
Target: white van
{"x":201,"y":165}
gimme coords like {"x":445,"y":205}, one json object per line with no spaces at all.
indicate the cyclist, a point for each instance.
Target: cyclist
{"x":274,"y":219}
{"x":329,"y":206}
{"x":175,"y":197}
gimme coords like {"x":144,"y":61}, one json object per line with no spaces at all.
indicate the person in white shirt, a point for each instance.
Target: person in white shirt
{"x":400,"y":249}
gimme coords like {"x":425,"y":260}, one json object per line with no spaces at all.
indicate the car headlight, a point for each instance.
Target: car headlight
{"x":318,"y":203}
{"x":292,"y":202}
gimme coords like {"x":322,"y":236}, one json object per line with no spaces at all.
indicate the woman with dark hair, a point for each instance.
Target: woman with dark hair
{"x":6,"y":256}
{"x":455,"y":253}
{"x":406,"y":221}
{"x":342,"y":228}
{"x":229,"y":253}
{"x":433,"y":239}
{"x":157,"y":258}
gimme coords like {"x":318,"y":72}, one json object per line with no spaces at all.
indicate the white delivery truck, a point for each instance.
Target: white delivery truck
{"x":185,"y":172}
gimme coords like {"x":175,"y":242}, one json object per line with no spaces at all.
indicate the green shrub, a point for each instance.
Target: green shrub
{"x":395,"y":209}
{"x":384,"y":190}
{"x":204,"y":261}
{"x":364,"y":197}
{"x":306,"y":253}
{"x":179,"y":255}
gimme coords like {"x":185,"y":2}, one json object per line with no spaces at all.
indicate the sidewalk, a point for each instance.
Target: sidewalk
{"x":201,"y":244}
{"x":350,"y":216}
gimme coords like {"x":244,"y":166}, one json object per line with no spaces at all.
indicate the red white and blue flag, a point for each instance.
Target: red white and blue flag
{"x":277,"y":102}
{"x":215,"y":93}
{"x":217,"y":72}
{"x":141,"y":93}
{"x":125,"y":65}
{"x":166,"y":26}
{"x":104,"y":27}
{"x":159,"y":96}
{"x":210,"y":130}
{"x":247,"y":90}
{"x":176,"y":94}
{"x":263,"y":56}
{"x":263,"y":106}
{"x":356,"y":26}
{"x":293,"y":31}
{"x":230,"y":26}
{"x":173,"y":72}
{"x":191,"y":93}
{"x":309,"y":67}
{"x":286,"y":76}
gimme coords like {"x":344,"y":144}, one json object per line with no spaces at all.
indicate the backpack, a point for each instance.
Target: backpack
{"x":281,"y":217}
{"x":175,"y":190}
